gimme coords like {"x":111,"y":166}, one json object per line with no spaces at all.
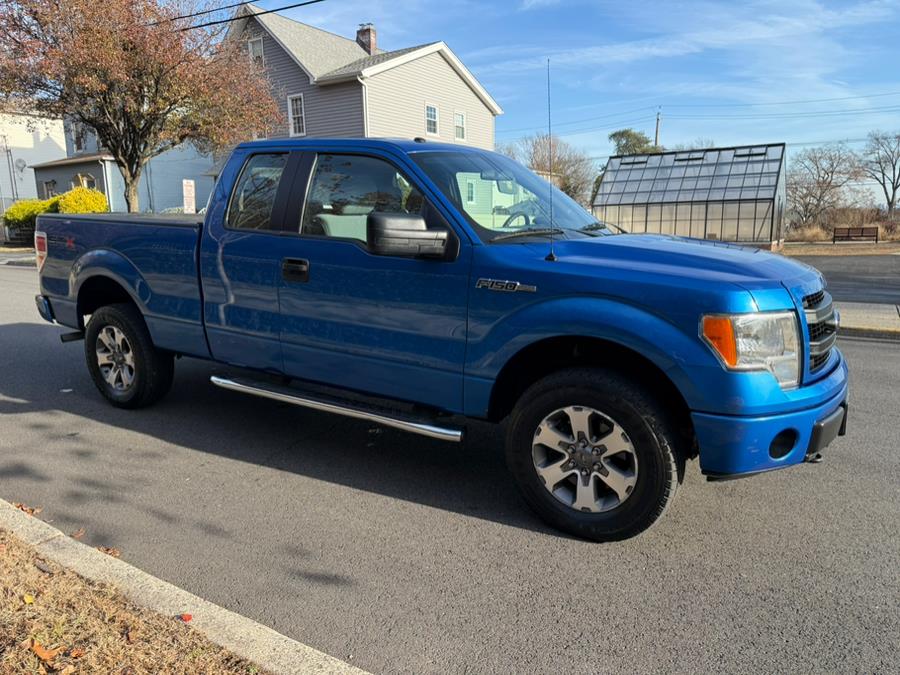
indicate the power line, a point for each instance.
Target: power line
{"x":238,"y":18}
{"x":795,"y":144}
{"x":800,"y":102}
{"x":807,"y":113}
{"x":586,"y":119}
{"x":200,"y":13}
{"x":787,"y":115}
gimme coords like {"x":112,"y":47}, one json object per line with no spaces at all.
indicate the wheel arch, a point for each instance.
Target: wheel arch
{"x":102,"y":277}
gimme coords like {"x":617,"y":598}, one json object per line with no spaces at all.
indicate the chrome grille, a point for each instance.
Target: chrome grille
{"x":813,"y":299}
{"x":821,"y":321}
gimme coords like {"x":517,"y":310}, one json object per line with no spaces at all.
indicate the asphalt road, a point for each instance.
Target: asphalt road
{"x":402,"y":554}
{"x":860,"y":278}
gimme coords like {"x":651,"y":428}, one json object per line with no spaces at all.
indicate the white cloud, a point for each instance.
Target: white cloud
{"x":537,"y":4}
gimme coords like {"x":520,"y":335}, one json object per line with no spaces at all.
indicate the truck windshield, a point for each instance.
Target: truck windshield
{"x":503,"y":200}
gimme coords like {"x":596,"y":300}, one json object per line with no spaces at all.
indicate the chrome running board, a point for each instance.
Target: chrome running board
{"x":338,"y":407}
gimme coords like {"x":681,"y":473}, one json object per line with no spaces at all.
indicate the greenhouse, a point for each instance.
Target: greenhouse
{"x":727,"y":194}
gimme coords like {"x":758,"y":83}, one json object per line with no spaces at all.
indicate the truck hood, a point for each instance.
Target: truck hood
{"x":692,"y":258}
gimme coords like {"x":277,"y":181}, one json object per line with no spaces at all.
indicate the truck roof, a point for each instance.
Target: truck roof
{"x":404,"y":145}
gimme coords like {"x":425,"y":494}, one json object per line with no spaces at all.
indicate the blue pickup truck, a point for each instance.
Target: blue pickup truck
{"x":417,"y":285}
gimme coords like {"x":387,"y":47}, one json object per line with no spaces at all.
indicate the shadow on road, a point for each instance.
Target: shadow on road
{"x":468,"y":478}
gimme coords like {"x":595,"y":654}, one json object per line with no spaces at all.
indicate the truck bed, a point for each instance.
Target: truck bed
{"x":153,"y":257}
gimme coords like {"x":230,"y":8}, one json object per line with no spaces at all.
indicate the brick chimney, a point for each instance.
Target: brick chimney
{"x":365,"y":37}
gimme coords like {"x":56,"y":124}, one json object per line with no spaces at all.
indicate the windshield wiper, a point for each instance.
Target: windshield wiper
{"x":532,"y":231}
{"x":593,"y":227}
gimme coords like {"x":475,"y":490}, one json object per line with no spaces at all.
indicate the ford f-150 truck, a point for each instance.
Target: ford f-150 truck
{"x":417,"y":285}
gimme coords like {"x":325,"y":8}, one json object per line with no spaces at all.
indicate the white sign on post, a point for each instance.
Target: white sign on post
{"x":189,"y":192}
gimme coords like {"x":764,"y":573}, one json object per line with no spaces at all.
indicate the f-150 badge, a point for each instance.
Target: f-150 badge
{"x":505,"y":286}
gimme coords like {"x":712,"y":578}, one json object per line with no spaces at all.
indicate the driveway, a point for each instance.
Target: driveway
{"x":402,"y":554}
{"x":860,"y":278}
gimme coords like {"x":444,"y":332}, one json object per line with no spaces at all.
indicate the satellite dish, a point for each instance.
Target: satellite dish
{"x":21,"y":164}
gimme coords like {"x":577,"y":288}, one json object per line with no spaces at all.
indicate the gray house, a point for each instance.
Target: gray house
{"x":335,"y":86}
{"x":88,"y":165}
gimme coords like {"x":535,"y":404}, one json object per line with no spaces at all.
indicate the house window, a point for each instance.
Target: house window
{"x":296,"y":116}
{"x":470,"y":192}
{"x":49,"y":188}
{"x":255,"y":49}
{"x":459,"y":126}
{"x":431,"y":119}
{"x":85,"y":180}
{"x":78,"y":137}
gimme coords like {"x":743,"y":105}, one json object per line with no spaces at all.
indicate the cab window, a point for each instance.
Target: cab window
{"x":345,"y":189}
{"x":254,"y":193}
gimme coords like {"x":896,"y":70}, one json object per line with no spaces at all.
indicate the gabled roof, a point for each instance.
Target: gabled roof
{"x":316,"y":51}
{"x":358,"y":67}
{"x":328,"y":58}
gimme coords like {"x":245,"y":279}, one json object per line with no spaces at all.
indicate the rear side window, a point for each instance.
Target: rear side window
{"x":254,"y":193}
{"x":345,"y":189}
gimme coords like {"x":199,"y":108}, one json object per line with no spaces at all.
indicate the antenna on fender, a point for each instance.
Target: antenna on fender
{"x":551,"y":256}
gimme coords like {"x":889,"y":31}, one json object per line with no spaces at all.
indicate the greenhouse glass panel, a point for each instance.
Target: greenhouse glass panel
{"x":720,"y":193}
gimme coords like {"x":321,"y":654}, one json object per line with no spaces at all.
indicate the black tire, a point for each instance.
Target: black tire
{"x":152,"y":369}
{"x":649,"y":432}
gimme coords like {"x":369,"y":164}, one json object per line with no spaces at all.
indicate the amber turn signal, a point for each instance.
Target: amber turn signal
{"x":719,"y":332}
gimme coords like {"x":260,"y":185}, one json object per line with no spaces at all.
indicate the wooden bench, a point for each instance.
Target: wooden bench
{"x":854,"y":234}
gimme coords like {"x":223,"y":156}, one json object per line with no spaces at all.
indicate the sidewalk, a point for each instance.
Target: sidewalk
{"x":863,"y":319}
{"x":243,"y":637}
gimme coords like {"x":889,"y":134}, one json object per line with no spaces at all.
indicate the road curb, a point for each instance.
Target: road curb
{"x":248,"y":639}
{"x":14,"y":262}
{"x":878,"y":333}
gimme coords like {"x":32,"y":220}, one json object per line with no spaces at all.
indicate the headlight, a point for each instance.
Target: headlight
{"x":762,"y":341}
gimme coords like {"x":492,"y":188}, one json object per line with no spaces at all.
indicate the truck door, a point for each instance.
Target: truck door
{"x":240,"y":258}
{"x":390,"y":326}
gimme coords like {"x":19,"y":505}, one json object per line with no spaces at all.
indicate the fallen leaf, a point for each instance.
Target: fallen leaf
{"x":77,"y":534}
{"x":43,"y":567}
{"x":76,"y":653}
{"x":185,"y":617}
{"x":27,"y":509}
{"x":109,"y":550}
{"x":129,"y":636}
{"x":68,"y":670}
{"x":43,"y":653}
{"x":28,"y":599}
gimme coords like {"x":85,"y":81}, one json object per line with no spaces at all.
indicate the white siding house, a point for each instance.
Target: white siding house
{"x":26,"y":140}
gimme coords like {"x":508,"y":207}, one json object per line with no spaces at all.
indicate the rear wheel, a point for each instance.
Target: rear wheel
{"x":125,"y":366}
{"x":593,"y":454}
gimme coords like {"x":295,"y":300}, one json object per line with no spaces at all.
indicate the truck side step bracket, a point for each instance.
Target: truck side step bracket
{"x":358,"y":410}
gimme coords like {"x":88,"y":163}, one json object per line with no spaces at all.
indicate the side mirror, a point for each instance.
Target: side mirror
{"x":404,"y":234}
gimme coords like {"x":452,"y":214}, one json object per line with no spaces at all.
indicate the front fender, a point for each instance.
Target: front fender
{"x":680,"y":355}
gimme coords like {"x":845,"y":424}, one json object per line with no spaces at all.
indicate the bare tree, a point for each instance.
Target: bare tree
{"x":573,"y":170}
{"x":818,"y":182}
{"x":880,"y":161}
{"x":699,"y":143}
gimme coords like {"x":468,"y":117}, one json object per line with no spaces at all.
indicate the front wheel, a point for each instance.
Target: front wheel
{"x":125,"y":366}
{"x":593,"y":454}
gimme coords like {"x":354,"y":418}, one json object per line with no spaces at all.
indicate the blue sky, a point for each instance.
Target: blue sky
{"x":733,"y":72}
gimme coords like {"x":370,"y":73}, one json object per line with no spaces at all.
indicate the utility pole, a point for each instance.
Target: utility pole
{"x":656,"y":136}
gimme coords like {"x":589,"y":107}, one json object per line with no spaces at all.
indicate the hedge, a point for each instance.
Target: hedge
{"x":82,"y":200}
{"x":22,"y":214}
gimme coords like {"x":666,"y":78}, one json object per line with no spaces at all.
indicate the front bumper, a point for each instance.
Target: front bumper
{"x":731,"y":445}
